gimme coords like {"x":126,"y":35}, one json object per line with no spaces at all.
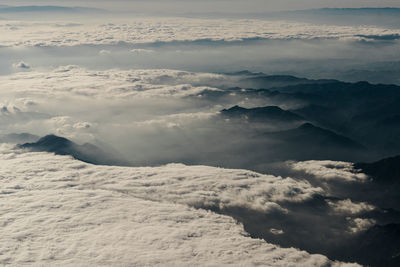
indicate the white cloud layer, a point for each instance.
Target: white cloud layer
{"x":59,"y":211}
{"x":78,"y":103}
{"x":348,"y":207}
{"x":114,"y":83}
{"x":360,"y":224}
{"x":150,"y":30}
{"x":141,"y":50}
{"x":330,"y":170}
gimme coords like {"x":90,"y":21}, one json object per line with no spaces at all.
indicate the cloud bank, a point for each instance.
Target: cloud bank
{"x":156,"y":30}
{"x":57,"y":210}
{"x":327,"y":170}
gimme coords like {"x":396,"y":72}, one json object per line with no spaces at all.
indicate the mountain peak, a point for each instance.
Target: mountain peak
{"x":50,"y":143}
{"x":260,"y":114}
{"x":384,"y":170}
{"x":62,"y":146}
{"x":51,"y":138}
{"x":234,"y":108}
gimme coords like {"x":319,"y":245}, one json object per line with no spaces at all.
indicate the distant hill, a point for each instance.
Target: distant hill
{"x":383,"y":171}
{"x":378,"y":246}
{"x":310,"y":133}
{"x":367,"y":113}
{"x":311,"y":142}
{"x":86,"y":152}
{"x":271,"y":81}
{"x":261,"y":114}
{"x":37,"y":9}
{"x":322,"y":115}
{"x":332,"y":87}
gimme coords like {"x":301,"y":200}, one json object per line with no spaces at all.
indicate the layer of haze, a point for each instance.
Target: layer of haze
{"x":312,"y":59}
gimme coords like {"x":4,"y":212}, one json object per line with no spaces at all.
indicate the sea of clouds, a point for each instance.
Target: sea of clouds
{"x":57,"y":210}
{"x":156,"y":30}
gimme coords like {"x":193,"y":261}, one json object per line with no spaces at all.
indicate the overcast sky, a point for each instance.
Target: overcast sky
{"x":210,"y":5}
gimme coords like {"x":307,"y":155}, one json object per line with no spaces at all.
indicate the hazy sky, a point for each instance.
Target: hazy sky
{"x":208,"y":5}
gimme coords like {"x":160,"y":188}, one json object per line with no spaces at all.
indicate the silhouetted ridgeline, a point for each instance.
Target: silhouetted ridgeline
{"x":87,"y":152}
{"x":383,"y":171}
{"x":262,"y":114}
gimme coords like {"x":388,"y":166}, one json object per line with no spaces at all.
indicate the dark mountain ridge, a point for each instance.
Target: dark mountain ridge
{"x":272,"y":81}
{"x":61,"y":146}
{"x":46,"y":8}
{"x":309,"y":142}
{"x":260,"y":114}
{"x":383,"y":171}
{"x":310,"y":132}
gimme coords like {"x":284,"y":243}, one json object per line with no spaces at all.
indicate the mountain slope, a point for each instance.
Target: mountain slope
{"x":261,"y":114}
{"x":86,"y":152}
{"x":271,"y":81}
{"x":384,"y":171}
{"x":312,"y":142}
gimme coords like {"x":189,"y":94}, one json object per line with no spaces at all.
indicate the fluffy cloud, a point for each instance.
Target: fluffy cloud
{"x":150,"y":30}
{"x":200,"y":186}
{"x":347,"y":206}
{"x":73,"y":80}
{"x":104,"y":52}
{"x":56,"y":210}
{"x":140,"y":50}
{"x":78,"y":103}
{"x":359,"y":224}
{"x":276,"y":231}
{"x":330,"y":170}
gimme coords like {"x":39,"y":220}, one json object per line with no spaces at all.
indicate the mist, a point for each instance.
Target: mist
{"x":313,"y":59}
